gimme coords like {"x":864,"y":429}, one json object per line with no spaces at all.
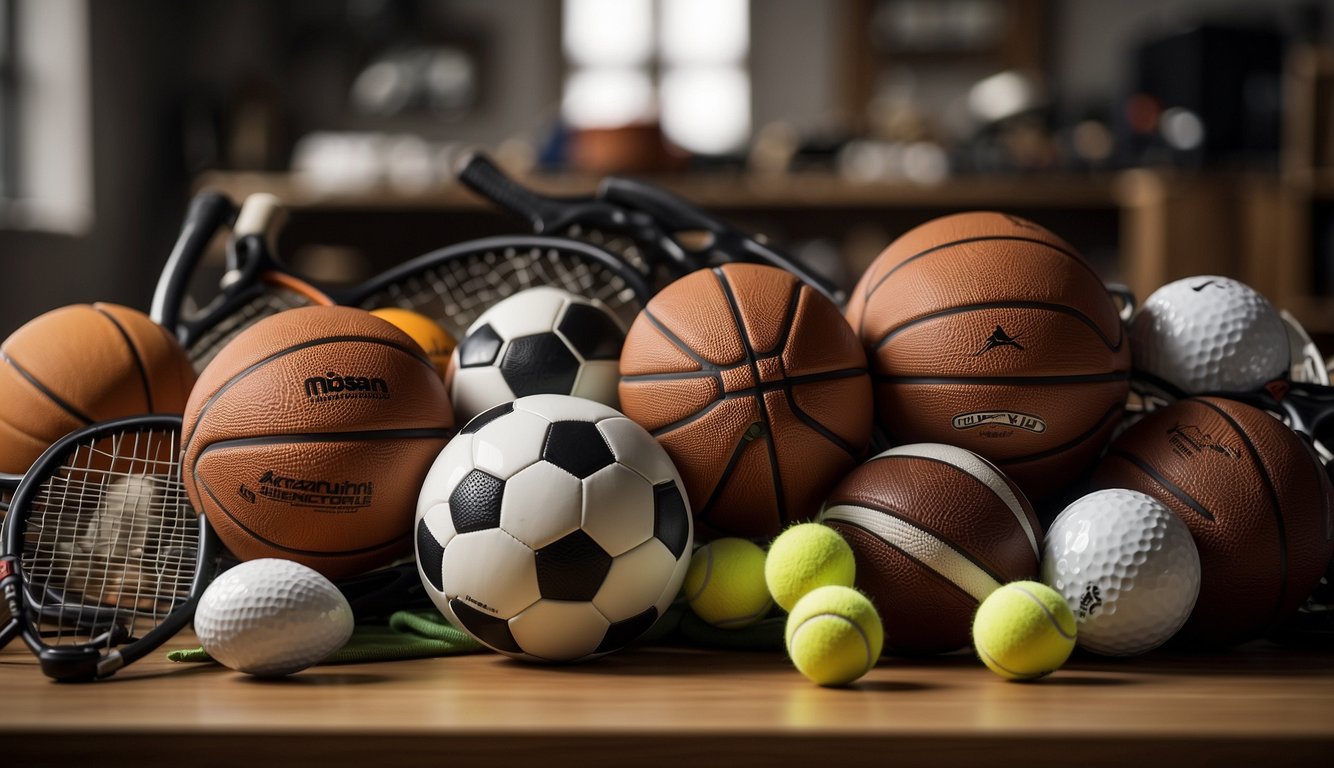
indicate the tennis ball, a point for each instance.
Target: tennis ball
{"x":434,"y":340}
{"x":804,"y":557}
{"x":725,"y":583}
{"x":834,"y":635}
{"x":1024,"y":630}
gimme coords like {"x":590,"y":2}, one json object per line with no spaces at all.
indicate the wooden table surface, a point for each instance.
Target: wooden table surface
{"x":1257,"y":705}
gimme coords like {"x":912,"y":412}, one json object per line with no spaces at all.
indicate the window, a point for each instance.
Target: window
{"x":682,"y":62}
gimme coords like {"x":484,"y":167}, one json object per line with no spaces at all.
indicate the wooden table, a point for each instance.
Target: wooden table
{"x":1259,"y":705}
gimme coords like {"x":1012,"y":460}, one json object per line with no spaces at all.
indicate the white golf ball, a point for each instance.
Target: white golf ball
{"x":272,"y":617}
{"x":1209,"y":334}
{"x":1128,"y":567}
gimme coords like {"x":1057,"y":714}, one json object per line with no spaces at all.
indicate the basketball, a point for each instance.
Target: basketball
{"x":308,"y":437}
{"x":987,"y":331}
{"x":82,"y":364}
{"x":1255,"y":498}
{"x":757,"y":388}
{"x":934,"y":530}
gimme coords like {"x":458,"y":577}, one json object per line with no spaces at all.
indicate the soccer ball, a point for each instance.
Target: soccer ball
{"x":538,"y":341}
{"x":553,"y":528}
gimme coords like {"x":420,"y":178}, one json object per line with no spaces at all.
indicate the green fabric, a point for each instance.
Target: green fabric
{"x":409,"y":635}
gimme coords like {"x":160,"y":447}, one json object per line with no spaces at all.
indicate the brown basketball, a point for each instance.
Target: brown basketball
{"x":757,"y":388}
{"x":309,"y":435}
{"x":82,"y":364}
{"x":989,"y":332}
{"x":1255,"y":497}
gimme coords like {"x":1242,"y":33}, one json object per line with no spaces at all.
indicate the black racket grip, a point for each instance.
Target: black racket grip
{"x":480,"y":174}
{"x":673,"y":213}
{"x":208,"y":212}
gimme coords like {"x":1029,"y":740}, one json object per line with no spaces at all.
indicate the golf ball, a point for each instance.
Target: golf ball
{"x":272,"y":617}
{"x":1209,"y":334}
{"x":1128,"y":567}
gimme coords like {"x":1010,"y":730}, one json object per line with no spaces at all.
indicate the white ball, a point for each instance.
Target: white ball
{"x":539,"y":341}
{"x":553,"y":528}
{"x":1128,"y":567}
{"x":272,"y":617}
{"x":1209,"y":334}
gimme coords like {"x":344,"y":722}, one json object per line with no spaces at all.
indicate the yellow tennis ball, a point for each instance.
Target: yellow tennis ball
{"x":804,"y":557}
{"x":434,"y":340}
{"x":725,"y":583}
{"x":1024,"y":630}
{"x":834,"y":635}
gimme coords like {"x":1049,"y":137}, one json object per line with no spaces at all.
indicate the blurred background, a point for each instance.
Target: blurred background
{"x":1163,"y":138}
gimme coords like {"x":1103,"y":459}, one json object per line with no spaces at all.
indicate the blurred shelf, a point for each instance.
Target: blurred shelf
{"x":720,"y":191}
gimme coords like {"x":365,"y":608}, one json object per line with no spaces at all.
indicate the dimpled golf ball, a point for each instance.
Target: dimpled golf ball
{"x":1128,"y":567}
{"x":272,"y":617}
{"x":1209,"y":334}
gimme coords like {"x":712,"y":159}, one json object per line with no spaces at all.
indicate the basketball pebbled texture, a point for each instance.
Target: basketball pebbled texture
{"x":758,"y":390}
{"x":934,"y":530}
{"x":987,"y":331}
{"x":309,"y":435}
{"x":1256,"y":500}
{"x":82,"y":364}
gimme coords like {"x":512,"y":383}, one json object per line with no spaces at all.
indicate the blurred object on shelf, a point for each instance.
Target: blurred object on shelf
{"x":917,"y":162}
{"x":440,"y":80}
{"x":361,"y":162}
{"x":1207,"y":96}
{"x":640,"y":148}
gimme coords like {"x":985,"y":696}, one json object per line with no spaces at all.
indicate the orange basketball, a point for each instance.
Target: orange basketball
{"x":309,"y":435}
{"x":757,"y":388}
{"x":989,"y":332}
{"x":1255,"y":497}
{"x":82,"y":364}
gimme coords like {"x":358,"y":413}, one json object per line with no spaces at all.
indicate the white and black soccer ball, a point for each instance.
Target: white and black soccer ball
{"x":553,"y":528}
{"x":539,"y":341}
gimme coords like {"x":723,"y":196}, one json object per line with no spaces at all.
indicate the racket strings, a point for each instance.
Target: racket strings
{"x":455,"y":291}
{"x":270,"y":301}
{"x":110,"y":542}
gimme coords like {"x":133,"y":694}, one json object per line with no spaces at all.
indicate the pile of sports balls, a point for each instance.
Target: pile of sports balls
{"x":982,"y":448}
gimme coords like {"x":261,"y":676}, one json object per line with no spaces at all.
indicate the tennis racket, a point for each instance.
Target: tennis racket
{"x":452,"y":285}
{"x":104,"y":558}
{"x":668,"y":232}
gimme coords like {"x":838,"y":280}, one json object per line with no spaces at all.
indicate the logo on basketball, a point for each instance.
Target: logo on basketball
{"x":999,"y":338}
{"x":331,"y":386}
{"x":335,"y":496}
{"x":1189,"y":441}
{"x":1022,"y":421}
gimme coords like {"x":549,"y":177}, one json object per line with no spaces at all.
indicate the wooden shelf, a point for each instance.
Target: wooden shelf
{"x":1260,"y":704}
{"x":801,"y":190}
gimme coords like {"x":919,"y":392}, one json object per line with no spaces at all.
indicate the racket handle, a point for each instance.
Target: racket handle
{"x":261,"y":214}
{"x":207,"y":213}
{"x":478,"y":173}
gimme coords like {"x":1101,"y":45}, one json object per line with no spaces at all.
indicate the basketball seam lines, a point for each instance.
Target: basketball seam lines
{"x":1082,"y":378}
{"x":237,"y":377}
{"x":325,"y":437}
{"x":925,"y":567}
{"x":42,"y":388}
{"x":676,"y":341}
{"x":1172,"y":488}
{"x":312,"y":553}
{"x":1040,"y":305}
{"x":968,"y":240}
{"x":762,"y":405}
{"x":134,"y":354}
{"x":707,"y":509}
{"x":820,"y":429}
{"x":1030,"y":527}
{"x":941,"y":537}
{"x":1272,"y":493}
{"x":1111,"y":413}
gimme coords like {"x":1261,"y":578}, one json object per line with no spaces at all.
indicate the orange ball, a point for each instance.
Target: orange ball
{"x":434,"y":340}
{"x":82,"y":364}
